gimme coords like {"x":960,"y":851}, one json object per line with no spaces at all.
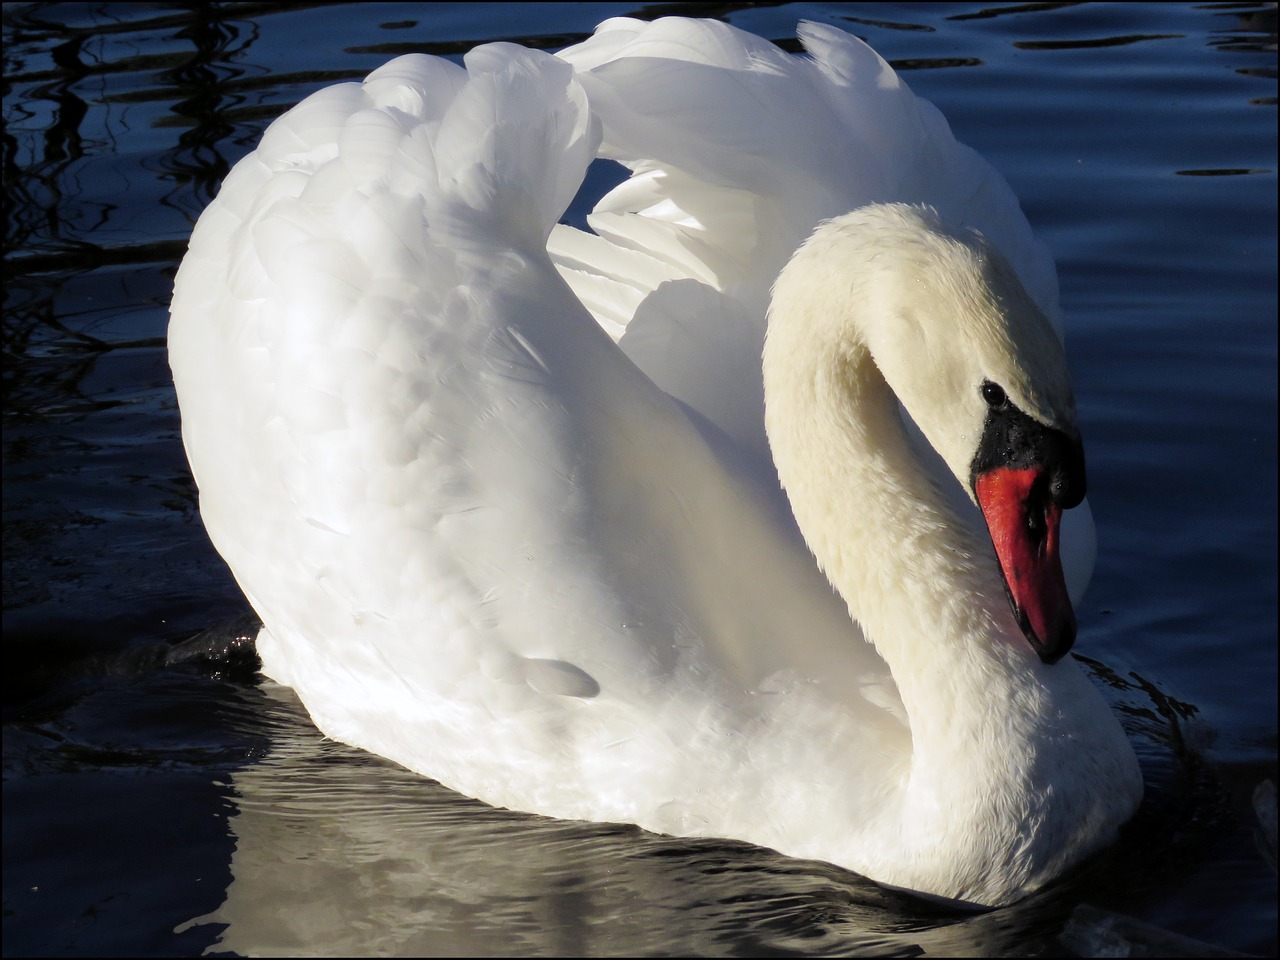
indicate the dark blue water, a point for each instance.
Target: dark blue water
{"x":140,"y":796}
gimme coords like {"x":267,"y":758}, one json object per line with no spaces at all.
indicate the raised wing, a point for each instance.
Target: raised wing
{"x":738,"y":151}
{"x":463,"y":515}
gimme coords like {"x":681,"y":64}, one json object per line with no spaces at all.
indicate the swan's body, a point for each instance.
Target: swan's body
{"x":486,"y":545}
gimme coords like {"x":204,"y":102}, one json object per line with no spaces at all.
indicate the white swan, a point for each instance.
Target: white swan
{"x":557,"y":575}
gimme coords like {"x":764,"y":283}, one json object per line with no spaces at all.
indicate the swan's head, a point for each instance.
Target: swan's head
{"x":978,"y":367}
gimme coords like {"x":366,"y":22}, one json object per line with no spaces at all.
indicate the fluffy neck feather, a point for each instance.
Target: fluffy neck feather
{"x":1015,"y":764}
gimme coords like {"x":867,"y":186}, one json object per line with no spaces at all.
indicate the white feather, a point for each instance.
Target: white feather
{"x":558,"y":575}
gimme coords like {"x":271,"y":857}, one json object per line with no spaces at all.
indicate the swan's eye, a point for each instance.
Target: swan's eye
{"x":994,"y":394}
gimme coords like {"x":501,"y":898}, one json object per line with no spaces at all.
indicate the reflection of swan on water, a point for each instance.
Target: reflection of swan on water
{"x":339,"y":853}
{"x":488,"y":544}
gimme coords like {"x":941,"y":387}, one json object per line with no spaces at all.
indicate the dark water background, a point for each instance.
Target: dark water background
{"x":139,"y":796}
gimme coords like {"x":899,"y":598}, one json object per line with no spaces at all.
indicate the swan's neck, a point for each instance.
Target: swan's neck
{"x":922,"y":584}
{"x":1015,"y":764}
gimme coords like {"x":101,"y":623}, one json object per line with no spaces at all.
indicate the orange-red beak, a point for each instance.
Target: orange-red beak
{"x":1024,"y":522}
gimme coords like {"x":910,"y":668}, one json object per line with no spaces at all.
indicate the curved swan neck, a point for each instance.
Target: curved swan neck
{"x":989,"y":722}
{"x":912,"y":573}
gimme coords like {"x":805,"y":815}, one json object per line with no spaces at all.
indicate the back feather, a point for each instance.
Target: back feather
{"x":719,"y":204}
